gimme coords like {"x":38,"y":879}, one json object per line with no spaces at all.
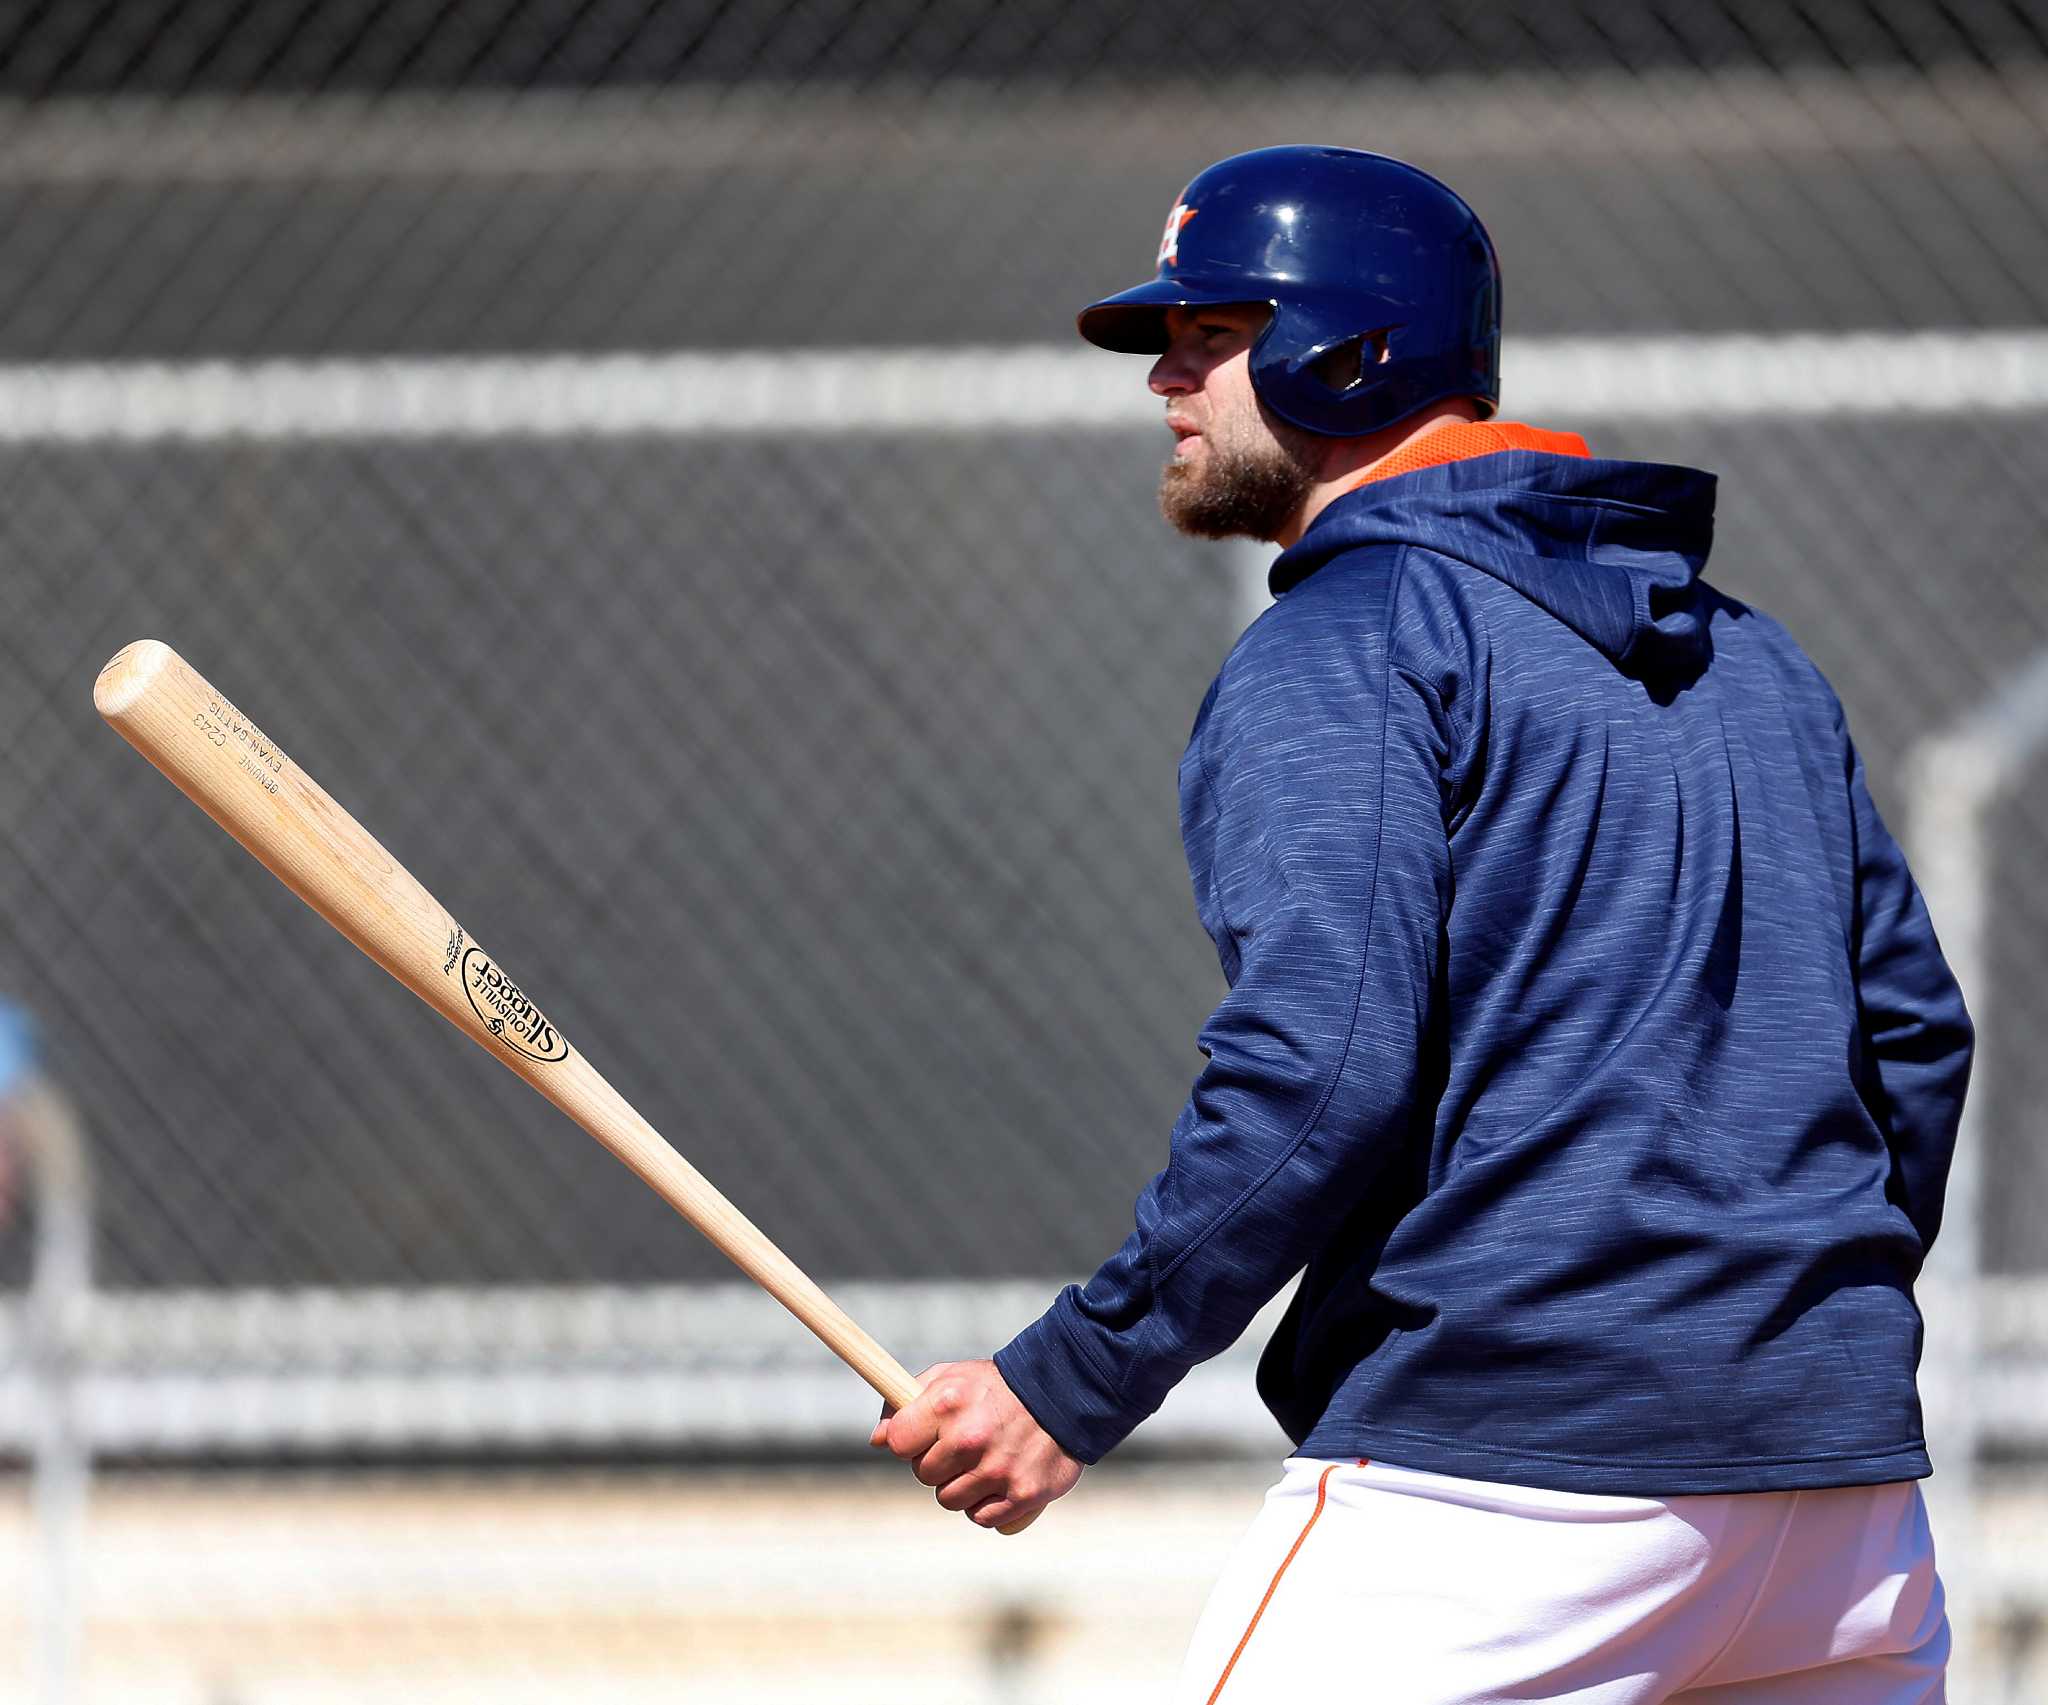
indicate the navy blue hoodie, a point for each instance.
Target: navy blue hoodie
{"x":1586,"y":1038}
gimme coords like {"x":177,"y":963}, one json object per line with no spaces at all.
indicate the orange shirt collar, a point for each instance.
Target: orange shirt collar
{"x":1456,"y":440}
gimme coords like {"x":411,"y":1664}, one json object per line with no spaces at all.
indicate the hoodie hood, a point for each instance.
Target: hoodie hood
{"x":1611,"y":549}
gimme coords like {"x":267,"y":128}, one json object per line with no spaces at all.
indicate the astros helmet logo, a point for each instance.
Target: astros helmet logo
{"x":1169,"y":242}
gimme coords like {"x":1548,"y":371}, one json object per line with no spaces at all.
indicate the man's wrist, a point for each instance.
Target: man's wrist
{"x":1050,"y":1372}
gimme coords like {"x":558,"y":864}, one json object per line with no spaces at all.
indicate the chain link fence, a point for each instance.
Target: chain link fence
{"x":633,"y":455}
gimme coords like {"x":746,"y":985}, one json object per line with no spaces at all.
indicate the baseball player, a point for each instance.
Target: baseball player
{"x":1587,"y":1050}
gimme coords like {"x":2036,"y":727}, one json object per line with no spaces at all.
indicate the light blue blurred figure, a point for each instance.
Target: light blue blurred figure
{"x":17,"y":1045}
{"x":17,"y":1066}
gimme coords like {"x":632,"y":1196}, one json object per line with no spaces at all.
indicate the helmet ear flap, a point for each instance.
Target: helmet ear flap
{"x":1328,"y":379}
{"x":1323,"y":386}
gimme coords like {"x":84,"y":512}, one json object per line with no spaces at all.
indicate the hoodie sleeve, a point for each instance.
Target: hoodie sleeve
{"x":1323,"y":763}
{"x":1917,"y":1033}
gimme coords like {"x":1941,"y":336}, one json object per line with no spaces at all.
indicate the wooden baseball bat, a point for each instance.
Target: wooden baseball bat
{"x":239,"y":777}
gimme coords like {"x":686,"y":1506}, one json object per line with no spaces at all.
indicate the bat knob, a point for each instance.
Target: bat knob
{"x":128,"y":674}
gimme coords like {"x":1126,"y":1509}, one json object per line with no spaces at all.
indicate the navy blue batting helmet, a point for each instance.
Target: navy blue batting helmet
{"x":1351,"y":251}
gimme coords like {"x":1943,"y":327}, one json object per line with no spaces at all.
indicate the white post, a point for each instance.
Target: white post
{"x":1955,"y":778}
{"x":1952,"y":784}
{"x":1249,"y":560}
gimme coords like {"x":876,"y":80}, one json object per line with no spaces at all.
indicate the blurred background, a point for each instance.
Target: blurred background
{"x":635,"y":454}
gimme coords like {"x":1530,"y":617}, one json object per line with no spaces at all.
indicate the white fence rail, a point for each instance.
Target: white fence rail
{"x":963,"y":389}
{"x":214,"y":1375}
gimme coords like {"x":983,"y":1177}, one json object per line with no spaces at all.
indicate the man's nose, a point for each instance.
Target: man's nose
{"x":1170,"y":376}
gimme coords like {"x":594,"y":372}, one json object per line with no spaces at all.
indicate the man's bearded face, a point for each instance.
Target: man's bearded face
{"x":1250,"y":476}
{"x":1237,"y":470}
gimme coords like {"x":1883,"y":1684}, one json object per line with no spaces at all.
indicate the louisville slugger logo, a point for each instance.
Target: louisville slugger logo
{"x":506,"y":1012}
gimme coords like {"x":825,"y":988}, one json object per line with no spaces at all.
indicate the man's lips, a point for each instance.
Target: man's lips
{"x":1185,"y":437}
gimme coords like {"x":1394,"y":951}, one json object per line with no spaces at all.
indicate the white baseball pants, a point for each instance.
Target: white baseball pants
{"x":1385,"y":1586}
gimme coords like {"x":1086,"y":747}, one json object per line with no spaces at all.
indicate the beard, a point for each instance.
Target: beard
{"x":1244,"y":487}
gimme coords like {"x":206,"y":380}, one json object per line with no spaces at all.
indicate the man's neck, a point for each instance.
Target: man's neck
{"x":1350,"y":461}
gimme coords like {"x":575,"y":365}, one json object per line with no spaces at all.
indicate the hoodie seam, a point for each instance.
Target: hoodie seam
{"x":1215,"y":799}
{"x":1235,"y":967}
{"x":1313,"y":1122}
{"x":1459,"y":721}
